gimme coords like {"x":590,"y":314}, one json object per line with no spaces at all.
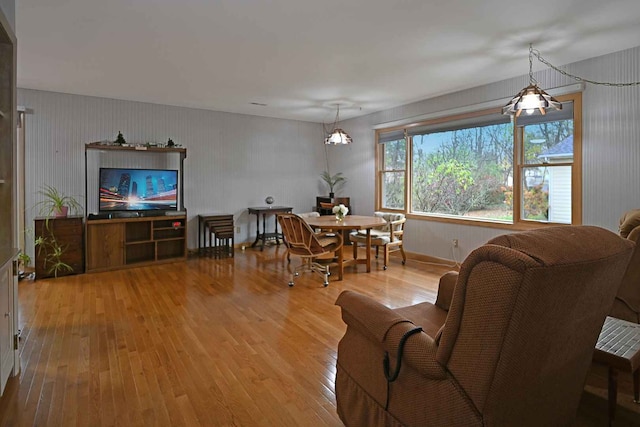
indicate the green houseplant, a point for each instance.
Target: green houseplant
{"x":23,"y":261}
{"x":53,"y":254}
{"x":54,"y":204}
{"x":334,"y":182}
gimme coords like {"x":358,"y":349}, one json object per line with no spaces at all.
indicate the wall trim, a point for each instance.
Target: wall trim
{"x":561,"y":90}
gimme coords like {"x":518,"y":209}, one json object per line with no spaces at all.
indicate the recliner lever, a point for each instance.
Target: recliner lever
{"x":385,"y":363}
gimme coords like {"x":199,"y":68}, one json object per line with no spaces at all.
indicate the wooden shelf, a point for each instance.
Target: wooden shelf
{"x":127,"y":242}
{"x":101,"y":146}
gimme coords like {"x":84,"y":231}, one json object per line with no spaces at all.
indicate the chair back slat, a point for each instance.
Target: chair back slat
{"x":298,"y":236}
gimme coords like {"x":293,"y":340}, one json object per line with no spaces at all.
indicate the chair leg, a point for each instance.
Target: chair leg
{"x":355,"y":250}
{"x":386,"y":256}
{"x":404,"y":256}
{"x":312,"y":266}
{"x":291,"y":280}
{"x":377,"y":250}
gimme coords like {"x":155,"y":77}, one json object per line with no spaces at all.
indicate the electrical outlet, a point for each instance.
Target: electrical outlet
{"x":238,"y":230}
{"x":454,"y":242}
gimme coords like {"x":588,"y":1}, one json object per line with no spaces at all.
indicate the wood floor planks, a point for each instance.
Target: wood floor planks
{"x":203,"y":342}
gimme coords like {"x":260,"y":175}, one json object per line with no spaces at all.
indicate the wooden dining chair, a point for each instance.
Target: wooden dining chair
{"x":302,"y":241}
{"x":387,"y":237}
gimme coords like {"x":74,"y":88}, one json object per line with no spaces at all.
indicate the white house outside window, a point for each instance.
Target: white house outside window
{"x":483,"y":167}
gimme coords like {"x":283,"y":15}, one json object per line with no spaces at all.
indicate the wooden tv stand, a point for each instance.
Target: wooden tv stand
{"x":131,"y":242}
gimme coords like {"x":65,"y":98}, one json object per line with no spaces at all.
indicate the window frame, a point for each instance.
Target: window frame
{"x":381,"y":171}
{"x":518,"y":223}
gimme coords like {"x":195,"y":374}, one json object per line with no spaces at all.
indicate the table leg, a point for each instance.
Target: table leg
{"x":199,"y":234}
{"x":255,"y":242}
{"x":340,"y":262}
{"x":277,"y":238}
{"x":264,"y":231}
{"x":613,"y":393}
{"x":368,"y":250}
{"x":636,"y":386}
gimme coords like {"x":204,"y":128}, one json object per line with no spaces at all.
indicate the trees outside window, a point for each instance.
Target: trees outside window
{"x":393,"y":172}
{"x":483,"y":167}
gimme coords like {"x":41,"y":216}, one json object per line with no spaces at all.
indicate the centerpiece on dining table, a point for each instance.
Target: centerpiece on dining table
{"x":340,"y":211}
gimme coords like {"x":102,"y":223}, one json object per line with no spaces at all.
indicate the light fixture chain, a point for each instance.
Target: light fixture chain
{"x":532,"y":79}
{"x":577,"y":78}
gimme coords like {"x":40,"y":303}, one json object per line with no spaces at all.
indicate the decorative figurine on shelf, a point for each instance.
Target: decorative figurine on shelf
{"x":340,"y":211}
{"x":120,"y":139}
{"x":170,"y":143}
{"x":269,"y":200}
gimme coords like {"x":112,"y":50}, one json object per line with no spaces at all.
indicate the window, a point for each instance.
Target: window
{"x":546,"y":144}
{"x":481,"y":166}
{"x":393,"y":169}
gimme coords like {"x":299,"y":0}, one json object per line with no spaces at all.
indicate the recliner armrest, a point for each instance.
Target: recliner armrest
{"x":368,"y":316}
{"x":386,"y":327}
{"x":445,"y":289}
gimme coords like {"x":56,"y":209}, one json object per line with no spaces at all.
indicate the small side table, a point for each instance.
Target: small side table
{"x":203,"y":219}
{"x":618,"y":347}
{"x":265,"y":211}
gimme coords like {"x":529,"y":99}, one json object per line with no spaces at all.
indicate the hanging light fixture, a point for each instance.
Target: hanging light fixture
{"x":531,"y":99}
{"x":337,"y":135}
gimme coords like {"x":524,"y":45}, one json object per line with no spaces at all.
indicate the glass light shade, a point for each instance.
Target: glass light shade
{"x":531,"y":99}
{"x":338,"y":136}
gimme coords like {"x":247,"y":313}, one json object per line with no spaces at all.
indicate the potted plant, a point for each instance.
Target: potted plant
{"x":23,"y":262}
{"x":334,"y":182}
{"x":53,"y":254}
{"x":55,"y":203}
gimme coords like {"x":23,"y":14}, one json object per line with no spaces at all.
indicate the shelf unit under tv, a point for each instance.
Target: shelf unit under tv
{"x":131,"y":242}
{"x":121,"y":242}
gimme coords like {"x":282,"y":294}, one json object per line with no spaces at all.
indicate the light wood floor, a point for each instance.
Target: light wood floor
{"x":199,"y":343}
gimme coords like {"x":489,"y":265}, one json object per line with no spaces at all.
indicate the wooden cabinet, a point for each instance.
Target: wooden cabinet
{"x":130,"y":242}
{"x":325,"y":204}
{"x":105,"y":246}
{"x":67,"y":234}
{"x":7,"y":316}
{"x":9,"y":355}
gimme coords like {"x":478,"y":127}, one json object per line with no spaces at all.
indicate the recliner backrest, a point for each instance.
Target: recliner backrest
{"x":629,"y":292}
{"x":526,"y":312}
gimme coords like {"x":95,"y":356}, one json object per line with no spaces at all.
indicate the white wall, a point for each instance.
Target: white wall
{"x":233,"y":161}
{"x":611,"y":149}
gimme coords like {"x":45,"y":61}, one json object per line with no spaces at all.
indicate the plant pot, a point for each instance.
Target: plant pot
{"x":62,"y":212}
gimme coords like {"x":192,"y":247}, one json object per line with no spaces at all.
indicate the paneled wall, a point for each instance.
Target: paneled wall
{"x":233,"y":160}
{"x":611,"y":149}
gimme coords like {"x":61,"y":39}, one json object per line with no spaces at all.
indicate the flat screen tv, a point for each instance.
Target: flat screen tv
{"x":138,"y":190}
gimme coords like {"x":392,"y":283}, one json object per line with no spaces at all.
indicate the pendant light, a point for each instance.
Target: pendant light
{"x":337,"y":135}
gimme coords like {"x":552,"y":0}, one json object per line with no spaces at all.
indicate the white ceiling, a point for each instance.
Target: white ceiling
{"x":299,"y":56}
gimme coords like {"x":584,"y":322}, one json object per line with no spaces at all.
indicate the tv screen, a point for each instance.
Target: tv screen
{"x":138,"y":189}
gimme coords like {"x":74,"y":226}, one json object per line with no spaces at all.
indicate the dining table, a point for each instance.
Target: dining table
{"x":349,"y":222}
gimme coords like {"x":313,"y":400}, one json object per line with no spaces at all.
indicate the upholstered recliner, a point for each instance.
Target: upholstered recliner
{"x":627,"y":303}
{"x":510,"y":343}
{"x":389,"y":236}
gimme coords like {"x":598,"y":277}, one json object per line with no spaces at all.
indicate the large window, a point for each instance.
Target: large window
{"x":482,"y":166}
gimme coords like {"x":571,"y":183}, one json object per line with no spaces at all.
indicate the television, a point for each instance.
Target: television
{"x":138,"y":190}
